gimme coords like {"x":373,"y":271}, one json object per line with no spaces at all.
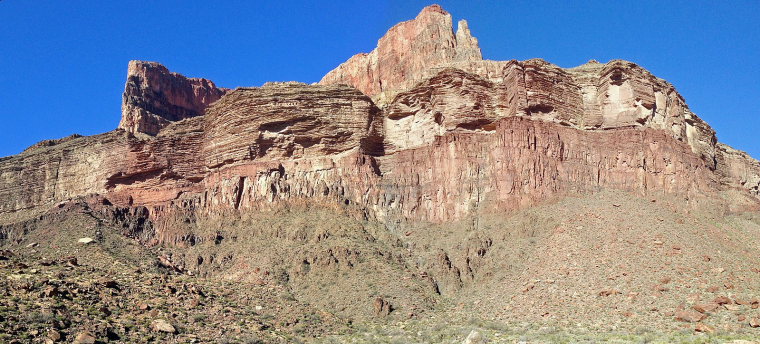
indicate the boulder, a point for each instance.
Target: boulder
{"x":84,"y":338}
{"x":706,"y":307}
{"x":722,"y":300}
{"x":475,"y":337}
{"x":86,"y":240}
{"x":382,"y":307}
{"x":161,"y":325}
{"x":689,"y":316}
{"x":704,"y":328}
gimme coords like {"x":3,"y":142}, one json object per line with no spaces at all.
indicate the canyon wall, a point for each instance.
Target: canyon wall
{"x":408,"y":48}
{"x":593,"y":96}
{"x":448,"y":135}
{"x":738,"y":170}
{"x":49,"y":173}
{"x":290,"y":120}
{"x":154,"y":97}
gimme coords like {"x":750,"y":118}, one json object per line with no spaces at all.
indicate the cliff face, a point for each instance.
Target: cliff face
{"x":738,"y":169}
{"x":42,"y":176}
{"x":405,"y":51}
{"x":593,"y":96}
{"x":455,"y":136}
{"x":521,"y":162}
{"x":154,"y":97}
{"x":289,"y":121}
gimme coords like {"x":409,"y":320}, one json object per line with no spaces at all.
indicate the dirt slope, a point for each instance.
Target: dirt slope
{"x":607,"y":266}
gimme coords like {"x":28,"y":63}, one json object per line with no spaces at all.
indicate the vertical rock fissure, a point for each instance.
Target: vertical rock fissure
{"x":239,"y":191}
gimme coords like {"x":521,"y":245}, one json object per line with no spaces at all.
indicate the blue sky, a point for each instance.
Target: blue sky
{"x":63,"y":63}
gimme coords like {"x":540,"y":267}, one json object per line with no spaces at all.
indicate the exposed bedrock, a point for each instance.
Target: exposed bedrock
{"x":593,"y":96}
{"x":453,"y":136}
{"x":154,"y":97}
{"x":405,"y":52}
{"x":518,"y":163}
{"x":282,"y":121}
{"x":738,"y":170}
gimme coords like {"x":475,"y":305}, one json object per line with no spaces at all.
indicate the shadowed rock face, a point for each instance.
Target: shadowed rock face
{"x":456,"y":135}
{"x":154,"y":97}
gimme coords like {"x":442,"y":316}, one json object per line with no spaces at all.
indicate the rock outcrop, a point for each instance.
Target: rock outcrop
{"x":455,"y":136}
{"x":738,"y":169}
{"x":594,"y":96}
{"x":288,"y":121}
{"x":522,"y":162}
{"x":42,"y":176}
{"x":622,"y":94}
{"x":50,"y":143}
{"x":404,"y":54}
{"x":154,"y":97}
{"x":406,"y":68}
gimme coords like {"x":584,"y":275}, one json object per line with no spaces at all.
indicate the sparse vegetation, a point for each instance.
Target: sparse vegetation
{"x":589,"y":275}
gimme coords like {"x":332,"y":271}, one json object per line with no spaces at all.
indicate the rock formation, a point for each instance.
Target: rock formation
{"x":453,"y":136}
{"x":154,"y":97}
{"x":592,"y":96}
{"x":289,"y":121}
{"x":405,"y":52}
{"x":413,"y":182}
{"x":738,"y":169}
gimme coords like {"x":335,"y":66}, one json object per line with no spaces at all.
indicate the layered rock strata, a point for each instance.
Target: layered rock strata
{"x":460,"y":136}
{"x":738,"y":169}
{"x":593,"y":96}
{"x":406,"y":50}
{"x":154,"y":97}
{"x":290,"y":120}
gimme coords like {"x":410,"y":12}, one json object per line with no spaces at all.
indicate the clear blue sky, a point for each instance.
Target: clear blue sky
{"x":63,"y":63}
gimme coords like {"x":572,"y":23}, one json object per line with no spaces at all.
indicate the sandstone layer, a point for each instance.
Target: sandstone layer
{"x":456,"y":136}
{"x":406,"y":50}
{"x":154,"y":97}
{"x":593,"y":96}
{"x":290,"y":120}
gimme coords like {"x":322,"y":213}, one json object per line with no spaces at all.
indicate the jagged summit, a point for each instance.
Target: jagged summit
{"x":406,"y":51}
{"x":428,"y":84}
{"x":154,"y":97}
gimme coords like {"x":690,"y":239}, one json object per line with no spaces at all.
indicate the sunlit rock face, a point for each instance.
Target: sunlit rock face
{"x":622,"y":94}
{"x":288,"y":121}
{"x":593,"y":96}
{"x":420,"y":129}
{"x":404,"y":54}
{"x":738,"y":169}
{"x":154,"y":97}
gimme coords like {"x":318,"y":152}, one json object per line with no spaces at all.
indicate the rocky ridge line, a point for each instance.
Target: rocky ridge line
{"x":409,"y":47}
{"x":460,"y":135}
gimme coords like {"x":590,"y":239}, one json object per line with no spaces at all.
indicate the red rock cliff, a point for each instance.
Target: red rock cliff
{"x":405,"y":52}
{"x":154,"y":97}
{"x":459,"y":137}
{"x":593,"y":96}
